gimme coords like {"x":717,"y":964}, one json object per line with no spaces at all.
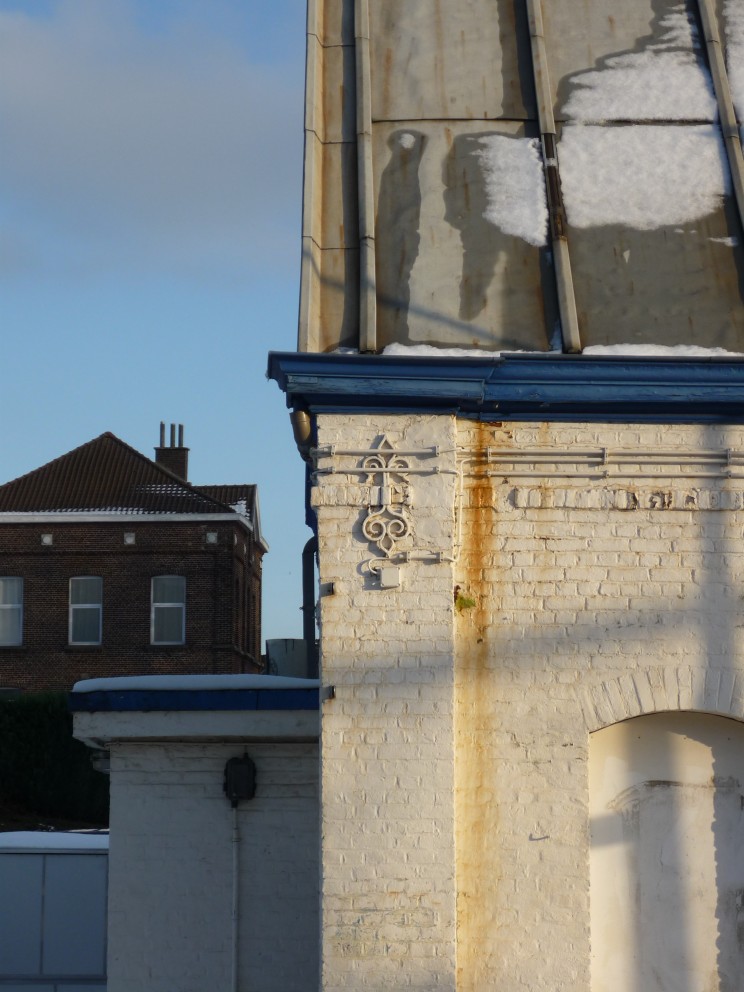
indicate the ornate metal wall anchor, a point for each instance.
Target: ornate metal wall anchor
{"x":388,"y":519}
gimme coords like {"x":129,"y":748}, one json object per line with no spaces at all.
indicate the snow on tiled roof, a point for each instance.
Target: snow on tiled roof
{"x":108,"y":476}
{"x":241,"y":498}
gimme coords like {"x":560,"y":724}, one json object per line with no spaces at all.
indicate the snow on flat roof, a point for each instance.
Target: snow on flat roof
{"x":661,"y":351}
{"x":193,"y":683}
{"x":411,"y":350}
{"x":55,"y":841}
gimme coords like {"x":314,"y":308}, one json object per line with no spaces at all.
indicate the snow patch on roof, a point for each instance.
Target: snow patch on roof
{"x":666,"y":81}
{"x":730,"y":242}
{"x":58,"y":841}
{"x":412,"y":350}
{"x":128,"y":683}
{"x":240,"y":507}
{"x":129,"y":511}
{"x":643,"y":176}
{"x":661,"y":351}
{"x":515,"y":186}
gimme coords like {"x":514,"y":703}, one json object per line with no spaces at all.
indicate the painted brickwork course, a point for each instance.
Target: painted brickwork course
{"x":170,"y":874}
{"x":597,"y":573}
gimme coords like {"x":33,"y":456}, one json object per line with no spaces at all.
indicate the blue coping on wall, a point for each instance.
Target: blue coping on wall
{"x":149,"y":700}
{"x":543,"y":386}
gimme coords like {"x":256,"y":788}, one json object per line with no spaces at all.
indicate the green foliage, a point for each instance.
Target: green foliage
{"x":42,"y":766}
{"x":464,"y":602}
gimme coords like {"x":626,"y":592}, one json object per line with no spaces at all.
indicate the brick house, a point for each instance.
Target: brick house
{"x":531,"y":568}
{"x":114,"y":564}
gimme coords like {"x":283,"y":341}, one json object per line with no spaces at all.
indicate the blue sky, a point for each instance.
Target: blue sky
{"x":150,"y":188}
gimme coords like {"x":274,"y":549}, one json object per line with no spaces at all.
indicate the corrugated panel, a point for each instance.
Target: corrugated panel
{"x":54,"y":925}
{"x":20,"y":916}
{"x":75,"y":942}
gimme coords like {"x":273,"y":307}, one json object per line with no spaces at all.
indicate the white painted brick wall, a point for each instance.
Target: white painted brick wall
{"x":388,"y":894}
{"x":595,"y":599}
{"x":170,"y":869}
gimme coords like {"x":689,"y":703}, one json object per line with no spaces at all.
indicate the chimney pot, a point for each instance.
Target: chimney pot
{"x":174,"y":457}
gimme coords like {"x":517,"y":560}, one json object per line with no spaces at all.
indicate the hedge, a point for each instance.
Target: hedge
{"x":42,"y":766}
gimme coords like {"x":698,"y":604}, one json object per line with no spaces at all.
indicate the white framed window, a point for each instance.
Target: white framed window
{"x":168,"y":612}
{"x":11,"y":610}
{"x":86,"y":609}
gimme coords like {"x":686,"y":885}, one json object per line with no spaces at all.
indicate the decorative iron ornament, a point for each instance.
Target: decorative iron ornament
{"x":388,"y":520}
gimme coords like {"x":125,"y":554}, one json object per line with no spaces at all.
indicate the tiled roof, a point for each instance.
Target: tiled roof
{"x":241,"y":498}
{"x":107,"y":475}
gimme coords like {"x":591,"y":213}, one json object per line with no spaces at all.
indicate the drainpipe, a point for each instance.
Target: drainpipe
{"x":239,"y":783}
{"x":235,"y":912}
{"x":308,"y":606}
{"x":367,"y":274}
{"x":556,"y":209}
{"x":302,"y":429}
{"x":726,"y":112}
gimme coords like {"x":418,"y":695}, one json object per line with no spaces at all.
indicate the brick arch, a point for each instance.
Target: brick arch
{"x":664,"y":689}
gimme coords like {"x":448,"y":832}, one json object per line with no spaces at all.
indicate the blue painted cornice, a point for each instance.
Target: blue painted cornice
{"x":517,"y":387}
{"x":149,"y":700}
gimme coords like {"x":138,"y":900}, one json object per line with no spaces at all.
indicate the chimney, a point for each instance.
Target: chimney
{"x":174,"y":457}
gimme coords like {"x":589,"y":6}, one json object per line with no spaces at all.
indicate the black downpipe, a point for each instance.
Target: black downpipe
{"x":308,"y":606}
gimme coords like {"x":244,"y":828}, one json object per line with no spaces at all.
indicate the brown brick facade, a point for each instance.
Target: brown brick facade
{"x":223,"y":596}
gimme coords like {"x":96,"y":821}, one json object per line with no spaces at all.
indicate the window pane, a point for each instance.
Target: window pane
{"x":86,"y":625}
{"x":85,"y":589}
{"x":11,"y":591}
{"x":169,"y":589}
{"x":167,"y":625}
{"x":10,"y":625}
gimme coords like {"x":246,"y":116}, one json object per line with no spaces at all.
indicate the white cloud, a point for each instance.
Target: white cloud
{"x":135,"y":147}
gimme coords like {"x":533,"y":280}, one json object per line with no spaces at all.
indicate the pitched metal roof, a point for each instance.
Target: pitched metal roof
{"x":107,"y":475}
{"x":525,"y":169}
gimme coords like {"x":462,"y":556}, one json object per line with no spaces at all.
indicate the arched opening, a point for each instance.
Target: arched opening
{"x":667,"y":854}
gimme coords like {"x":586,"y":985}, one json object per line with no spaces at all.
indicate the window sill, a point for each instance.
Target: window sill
{"x":82,"y":648}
